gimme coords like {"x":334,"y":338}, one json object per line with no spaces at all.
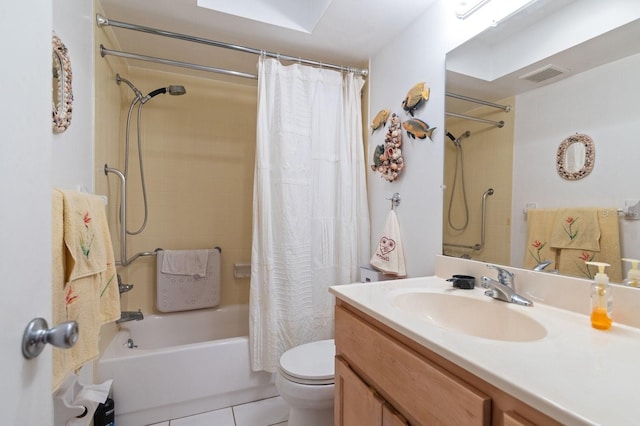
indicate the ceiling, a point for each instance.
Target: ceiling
{"x":597,"y":50}
{"x":348,"y":33}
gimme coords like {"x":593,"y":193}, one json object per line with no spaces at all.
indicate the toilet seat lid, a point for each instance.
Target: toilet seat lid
{"x":310,"y":363}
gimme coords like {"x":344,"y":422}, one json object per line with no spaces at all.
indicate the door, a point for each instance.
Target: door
{"x":25,"y":208}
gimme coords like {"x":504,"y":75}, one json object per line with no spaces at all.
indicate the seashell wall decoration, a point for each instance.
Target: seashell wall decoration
{"x":387,"y":158}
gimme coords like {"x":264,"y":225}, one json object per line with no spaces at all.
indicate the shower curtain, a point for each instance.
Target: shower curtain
{"x":310,"y":214}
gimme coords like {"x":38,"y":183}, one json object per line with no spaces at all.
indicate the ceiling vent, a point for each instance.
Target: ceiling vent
{"x":544,"y":73}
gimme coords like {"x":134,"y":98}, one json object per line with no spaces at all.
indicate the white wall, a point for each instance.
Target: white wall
{"x":72,"y":166}
{"x":418,"y":54}
{"x":609,"y":113}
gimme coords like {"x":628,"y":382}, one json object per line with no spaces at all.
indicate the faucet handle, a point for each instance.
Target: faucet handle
{"x":504,"y":276}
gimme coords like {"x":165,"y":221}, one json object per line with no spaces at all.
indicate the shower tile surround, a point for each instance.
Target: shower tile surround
{"x":488,"y":163}
{"x":198,"y":152}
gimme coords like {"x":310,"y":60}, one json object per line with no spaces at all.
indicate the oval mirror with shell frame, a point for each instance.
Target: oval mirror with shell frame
{"x":575,"y":157}
{"x":62,"y":96}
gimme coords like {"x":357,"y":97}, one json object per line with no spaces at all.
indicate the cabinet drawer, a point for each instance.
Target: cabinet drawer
{"x":423,"y":392}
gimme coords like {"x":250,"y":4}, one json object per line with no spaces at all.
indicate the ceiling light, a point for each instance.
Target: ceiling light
{"x":464,"y":8}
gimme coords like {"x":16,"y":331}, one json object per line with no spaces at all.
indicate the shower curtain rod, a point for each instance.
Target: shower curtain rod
{"x":103,"y":21}
{"x":505,"y":108}
{"x":104,"y":52}
{"x":499,"y":124}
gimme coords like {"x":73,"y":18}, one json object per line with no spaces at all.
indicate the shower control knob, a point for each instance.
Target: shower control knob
{"x":38,"y":334}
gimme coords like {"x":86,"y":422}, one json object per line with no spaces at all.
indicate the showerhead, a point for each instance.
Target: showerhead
{"x":464,"y":135}
{"x":172,"y":90}
{"x":176,"y":90}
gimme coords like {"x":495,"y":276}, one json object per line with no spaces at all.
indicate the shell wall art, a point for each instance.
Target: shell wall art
{"x":387,"y":158}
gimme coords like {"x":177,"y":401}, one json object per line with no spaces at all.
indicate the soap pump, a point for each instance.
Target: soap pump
{"x":601,"y":300}
{"x":633,"y":276}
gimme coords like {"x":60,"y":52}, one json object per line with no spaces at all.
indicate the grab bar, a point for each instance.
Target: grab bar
{"x":480,"y":246}
{"x":123,"y":220}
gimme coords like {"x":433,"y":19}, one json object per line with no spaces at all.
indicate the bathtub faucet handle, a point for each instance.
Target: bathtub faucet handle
{"x":123,"y":288}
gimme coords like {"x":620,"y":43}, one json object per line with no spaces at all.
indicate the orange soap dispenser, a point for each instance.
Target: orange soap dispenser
{"x":601,"y":300}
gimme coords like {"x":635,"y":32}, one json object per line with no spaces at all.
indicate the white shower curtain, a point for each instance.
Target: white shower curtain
{"x":310,"y":214}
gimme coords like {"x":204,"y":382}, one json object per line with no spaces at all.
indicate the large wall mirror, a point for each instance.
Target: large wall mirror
{"x":549,"y":73}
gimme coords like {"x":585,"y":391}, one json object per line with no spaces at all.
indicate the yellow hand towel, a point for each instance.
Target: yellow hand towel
{"x":82,"y":235}
{"x":539,"y":228}
{"x":389,"y":254}
{"x":576,"y":228}
{"x":571,"y":261}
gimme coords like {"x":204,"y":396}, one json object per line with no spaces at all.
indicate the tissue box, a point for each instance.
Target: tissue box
{"x":369,"y":274}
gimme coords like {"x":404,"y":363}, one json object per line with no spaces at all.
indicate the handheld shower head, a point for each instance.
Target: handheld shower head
{"x":176,"y":90}
{"x":464,"y":135}
{"x":172,"y":90}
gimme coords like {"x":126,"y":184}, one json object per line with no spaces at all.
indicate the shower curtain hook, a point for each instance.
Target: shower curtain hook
{"x":395,"y":200}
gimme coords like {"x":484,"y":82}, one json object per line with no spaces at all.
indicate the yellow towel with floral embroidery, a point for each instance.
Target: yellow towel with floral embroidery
{"x":576,"y":228}
{"x":538,"y":249}
{"x":84,"y":276}
{"x":571,"y":261}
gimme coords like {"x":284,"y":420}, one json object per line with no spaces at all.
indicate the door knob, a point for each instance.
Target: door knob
{"x":38,"y":334}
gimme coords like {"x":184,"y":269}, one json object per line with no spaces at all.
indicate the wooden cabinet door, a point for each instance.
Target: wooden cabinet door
{"x":422,"y":391}
{"x":511,"y":418}
{"x":355,"y":403}
{"x":391,"y":417}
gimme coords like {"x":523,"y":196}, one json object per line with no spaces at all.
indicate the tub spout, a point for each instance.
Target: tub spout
{"x":130,"y":316}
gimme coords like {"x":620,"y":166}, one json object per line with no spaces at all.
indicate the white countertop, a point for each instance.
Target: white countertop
{"x":575,"y":374}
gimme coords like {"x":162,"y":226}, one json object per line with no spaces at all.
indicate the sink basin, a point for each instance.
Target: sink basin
{"x":488,"y":318}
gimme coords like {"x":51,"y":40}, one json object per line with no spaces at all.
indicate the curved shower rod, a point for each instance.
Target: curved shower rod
{"x":102,"y":21}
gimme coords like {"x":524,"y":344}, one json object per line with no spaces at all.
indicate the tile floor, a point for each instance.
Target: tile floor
{"x":266,"y":412}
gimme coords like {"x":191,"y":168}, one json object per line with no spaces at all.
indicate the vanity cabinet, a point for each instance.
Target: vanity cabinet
{"x":359,"y":404}
{"x":385,"y":378}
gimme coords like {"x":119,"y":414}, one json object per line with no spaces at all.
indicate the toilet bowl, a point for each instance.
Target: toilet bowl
{"x":305,"y":380}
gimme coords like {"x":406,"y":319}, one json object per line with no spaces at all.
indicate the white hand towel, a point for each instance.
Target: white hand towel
{"x":185,"y":262}
{"x":389,"y":254}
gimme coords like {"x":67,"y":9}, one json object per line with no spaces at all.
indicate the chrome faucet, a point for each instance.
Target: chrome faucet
{"x":130,"y":316}
{"x":542,"y":265}
{"x":123,"y":288}
{"x":503,"y":288}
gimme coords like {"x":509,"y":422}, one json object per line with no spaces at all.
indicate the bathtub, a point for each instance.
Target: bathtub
{"x":184,"y":363}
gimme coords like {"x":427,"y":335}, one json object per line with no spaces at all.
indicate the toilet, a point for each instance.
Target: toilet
{"x":305,"y":380}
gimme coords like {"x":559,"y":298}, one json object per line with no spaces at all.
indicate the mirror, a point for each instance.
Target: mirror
{"x":587,"y":87}
{"x":575,"y":158}
{"x":62,"y":93}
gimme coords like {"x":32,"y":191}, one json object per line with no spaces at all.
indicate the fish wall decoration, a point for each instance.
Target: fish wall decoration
{"x":416,"y":97}
{"x":380,"y":120}
{"x":417,"y":128}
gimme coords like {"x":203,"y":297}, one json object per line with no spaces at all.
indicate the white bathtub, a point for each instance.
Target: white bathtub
{"x":185,"y":363}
